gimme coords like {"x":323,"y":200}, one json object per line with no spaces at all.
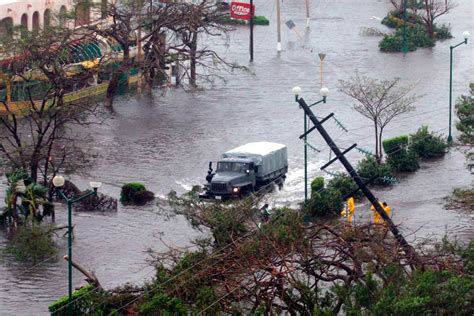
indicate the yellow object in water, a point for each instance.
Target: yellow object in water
{"x":349,"y":210}
{"x":376,"y":216}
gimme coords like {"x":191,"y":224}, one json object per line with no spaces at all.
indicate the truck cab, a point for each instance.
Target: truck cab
{"x":234,"y":177}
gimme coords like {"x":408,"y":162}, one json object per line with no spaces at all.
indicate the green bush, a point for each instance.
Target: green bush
{"x":257,"y":20}
{"x":345,"y":185}
{"x":317,"y":184}
{"x":427,"y":144}
{"x":442,"y":32}
{"x":86,"y":300}
{"x":326,"y":203}
{"x":404,"y":161}
{"x":162,"y":304}
{"x":465,"y":113}
{"x":399,"y":158}
{"x":416,"y":34}
{"x":261,"y":20}
{"x":426,"y":292}
{"x":395,"y":19}
{"x":394,"y":145}
{"x":368,"y":168}
{"x":32,"y":243}
{"x":135,"y":192}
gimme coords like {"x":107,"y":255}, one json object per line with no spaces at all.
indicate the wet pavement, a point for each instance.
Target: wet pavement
{"x":166,"y":141}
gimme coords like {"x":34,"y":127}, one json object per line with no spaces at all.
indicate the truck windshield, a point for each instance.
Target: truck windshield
{"x":232,"y":166}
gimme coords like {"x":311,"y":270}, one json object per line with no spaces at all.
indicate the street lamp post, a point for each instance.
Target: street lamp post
{"x":466,"y":36}
{"x":58,"y":182}
{"x":324,"y":93}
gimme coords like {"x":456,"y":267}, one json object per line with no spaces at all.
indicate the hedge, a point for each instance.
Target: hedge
{"x":428,"y":144}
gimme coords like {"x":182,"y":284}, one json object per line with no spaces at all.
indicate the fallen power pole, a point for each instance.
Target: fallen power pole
{"x":355,"y":176}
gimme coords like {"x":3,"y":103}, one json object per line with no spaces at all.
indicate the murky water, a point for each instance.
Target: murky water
{"x":167,"y":141}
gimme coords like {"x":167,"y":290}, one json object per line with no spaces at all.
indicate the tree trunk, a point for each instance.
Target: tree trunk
{"x":34,"y":169}
{"x":381,"y":143}
{"x":377,"y":153}
{"x":115,"y":79}
{"x":192,"y":59}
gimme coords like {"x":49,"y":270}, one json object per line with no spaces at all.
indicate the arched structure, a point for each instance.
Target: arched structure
{"x":47,"y":18}
{"x":36,"y":21}
{"x":6,"y":27}
{"x":24,"y":24}
{"x":62,"y":16}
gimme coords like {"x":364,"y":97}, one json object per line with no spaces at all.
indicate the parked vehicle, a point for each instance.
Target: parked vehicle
{"x":245,"y":169}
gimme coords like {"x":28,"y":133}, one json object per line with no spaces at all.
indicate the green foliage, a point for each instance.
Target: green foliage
{"x":32,"y":243}
{"x":344,"y":184}
{"x":317,"y":184}
{"x":257,"y":20}
{"x":395,"y":144}
{"x":162,"y":304}
{"x":85,"y":302}
{"x":416,"y":37}
{"x":416,"y":33}
{"x":404,"y":161}
{"x":442,"y":32}
{"x":224,"y":226}
{"x":369,"y":167}
{"x":399,"y":158}
{"x":395,"y":19}
{"x":427,"y":144}
{"x":261,"y":20}
{"x":325,"y":203}
{"x":465,"y":113}
{"x":135,"y":192}
{"x":425,"y":292}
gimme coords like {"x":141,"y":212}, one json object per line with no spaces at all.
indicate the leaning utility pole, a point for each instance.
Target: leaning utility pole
{"x":353,"y":173}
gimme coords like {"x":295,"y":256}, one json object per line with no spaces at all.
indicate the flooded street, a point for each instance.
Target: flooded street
{"x":166,"y":141}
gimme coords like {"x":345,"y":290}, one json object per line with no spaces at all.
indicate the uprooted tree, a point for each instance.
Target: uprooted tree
{"x":380,"y":101}
{"x":286,"y":266}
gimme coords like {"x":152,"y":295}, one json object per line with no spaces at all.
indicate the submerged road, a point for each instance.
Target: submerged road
{"x":167,"y":140}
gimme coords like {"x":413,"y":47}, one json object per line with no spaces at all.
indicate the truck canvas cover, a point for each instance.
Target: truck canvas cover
{"x":269,"y":157}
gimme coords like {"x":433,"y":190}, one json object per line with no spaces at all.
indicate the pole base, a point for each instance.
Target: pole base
{"x":307,"y":23}
{"x":450,"y":139}
{"x":279,"y":47}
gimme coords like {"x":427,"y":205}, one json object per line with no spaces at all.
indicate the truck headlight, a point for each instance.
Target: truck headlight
{"x":235,"y":189}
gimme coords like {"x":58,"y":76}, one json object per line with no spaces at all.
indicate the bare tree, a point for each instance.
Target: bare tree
{"x":380,"y":101}
{"x":120,"y":27}
{"x":199,"y":21}
{"x":35,"y":135}
{"x":432,"y":10}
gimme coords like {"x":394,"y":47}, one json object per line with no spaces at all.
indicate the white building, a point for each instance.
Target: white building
{"x":34,"y":14}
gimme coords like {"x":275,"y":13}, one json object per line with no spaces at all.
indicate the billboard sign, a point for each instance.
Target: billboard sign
{"x":241,"y":10}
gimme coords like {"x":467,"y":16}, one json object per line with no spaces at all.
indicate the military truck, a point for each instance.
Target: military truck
{"x":245,"y":169}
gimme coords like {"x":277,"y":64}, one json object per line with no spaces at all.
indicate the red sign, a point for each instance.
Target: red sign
{"x":241,"y":10}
